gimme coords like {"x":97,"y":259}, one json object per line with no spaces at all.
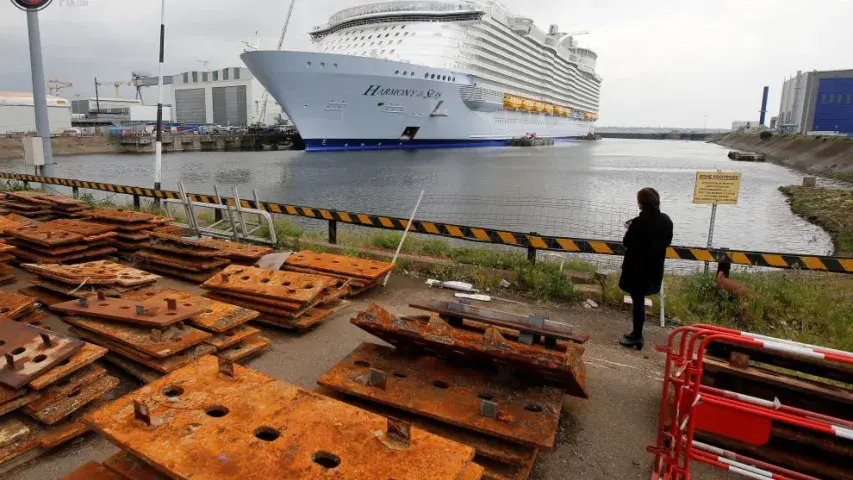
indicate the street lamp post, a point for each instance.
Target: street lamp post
{"x":39,"y":95}
{"x":158,"y":148}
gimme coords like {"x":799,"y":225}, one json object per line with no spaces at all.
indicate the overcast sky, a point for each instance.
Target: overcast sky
{"x":664,"y":63}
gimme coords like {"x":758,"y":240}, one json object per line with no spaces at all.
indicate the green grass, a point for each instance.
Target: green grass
{"x":830,"y":208}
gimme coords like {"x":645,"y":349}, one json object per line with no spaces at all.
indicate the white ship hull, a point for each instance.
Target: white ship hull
{"x":343,"y":102}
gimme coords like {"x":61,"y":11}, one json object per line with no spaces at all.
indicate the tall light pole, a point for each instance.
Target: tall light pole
{"x":705,"y":125}
{"x":37,"y":70}
{"x":158,"y":148}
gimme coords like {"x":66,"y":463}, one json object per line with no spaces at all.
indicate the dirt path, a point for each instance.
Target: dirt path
{"x":601,"y":438}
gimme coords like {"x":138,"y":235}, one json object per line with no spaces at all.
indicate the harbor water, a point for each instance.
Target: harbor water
{"x":582,"y":189}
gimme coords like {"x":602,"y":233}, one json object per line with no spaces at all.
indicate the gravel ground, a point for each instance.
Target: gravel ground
{"x":601,"y":438}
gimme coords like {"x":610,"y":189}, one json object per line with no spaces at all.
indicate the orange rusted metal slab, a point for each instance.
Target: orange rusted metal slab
{"x":263,"y":308}
{"x":132,"y":468}
{"x":96,"y":252}
{"x":29,"y":352}
{"x":87,"y":355}
{"x":154,"y":313}
{"x":8,"y":394}
{"x":450,"y":393}
{"x":275,"y":284}
{"x":488,"y":447}
{"x":269,"y":302}
{"x":61,"y":250}
{"x":12,"y":405}
{"x":340,"y":264}
{"x":244,"y":349}
{"x":232,"y":337}
{"x":565,"y":369}
{"x":217,"y":317}
{"x":13,"y":305}
{"x":134,"y":369}
{"x":234,"y":250}
{"x":196,"y":277}
{"x":13,"y":221}
{"x":102,"y":272}
{"x":4,"y":248}
{"x":162,"y":365}
{"x":80,"y":227}
{"x":93,"y":471}
{"x":177,"y":244}
{"x":41,"y":235}
{"x":72,"y":393}
{"x":182,"y":261}
{"x":250,"y":425}
{"x":122,"y":216}
{"x":155,"y":342}
{"x":302,"y":323}
{"x":52,"y":292}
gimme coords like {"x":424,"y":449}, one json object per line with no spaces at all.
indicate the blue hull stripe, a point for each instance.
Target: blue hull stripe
{"x":329,"y":145}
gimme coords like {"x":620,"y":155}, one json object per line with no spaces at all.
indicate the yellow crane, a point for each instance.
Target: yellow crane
{"x":55,"y":86}
{"x":117,"y":84}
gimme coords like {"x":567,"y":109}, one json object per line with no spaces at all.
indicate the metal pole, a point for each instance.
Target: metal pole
{"x":662,"y":301}
{"x":97,"y":98}
{"x":158,"y":147}
{"x":39,"y":95}
{"x":711,"y":232}
{"x":405,"y":234}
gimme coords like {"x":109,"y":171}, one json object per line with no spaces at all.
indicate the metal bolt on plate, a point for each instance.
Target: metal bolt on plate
{"x":10,"y":361}
{"x":45,"y":338}
{"x":101,"y":296}
{"x":171,"y":304}
{"x":226,"y":367}
{"x":400,"y":431}
{"x":83,"y":302}
{"x":140,"y":310}
{"x":141,"y":412}
{"x":377,"y":378}
{"x":488,"y":408}
{"x":526,"y":338}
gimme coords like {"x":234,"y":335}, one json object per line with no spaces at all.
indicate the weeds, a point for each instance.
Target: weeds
{"x":830,"y":208}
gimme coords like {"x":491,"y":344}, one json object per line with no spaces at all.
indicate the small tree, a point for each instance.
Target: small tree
{"x":765,"y":135}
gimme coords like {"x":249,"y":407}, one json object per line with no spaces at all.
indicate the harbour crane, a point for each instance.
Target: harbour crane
{"x":117,"y":84}
{"x":55,"y":86}
{"x":266,"y":97}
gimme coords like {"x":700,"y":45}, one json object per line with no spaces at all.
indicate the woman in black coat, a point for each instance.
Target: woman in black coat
{"x":645,"y":242}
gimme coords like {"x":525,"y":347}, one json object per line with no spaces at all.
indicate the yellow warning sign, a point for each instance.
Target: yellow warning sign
{"x":717,"y":187}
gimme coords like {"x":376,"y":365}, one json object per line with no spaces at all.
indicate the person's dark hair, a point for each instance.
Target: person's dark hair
{"x":648,"y":198}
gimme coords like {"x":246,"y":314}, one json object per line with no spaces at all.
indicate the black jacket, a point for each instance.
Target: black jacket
{"x":645,"y":241}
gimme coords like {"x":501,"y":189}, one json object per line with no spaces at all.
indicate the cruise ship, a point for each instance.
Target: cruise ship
{"x":430,"y":74}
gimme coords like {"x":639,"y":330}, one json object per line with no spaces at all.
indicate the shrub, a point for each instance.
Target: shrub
{"x":765,"y":135}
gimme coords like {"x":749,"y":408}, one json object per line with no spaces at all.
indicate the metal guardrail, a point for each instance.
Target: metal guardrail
{"x":531,"y":241}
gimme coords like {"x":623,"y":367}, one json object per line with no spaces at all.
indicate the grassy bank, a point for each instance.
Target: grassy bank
{"x":830,"y":208}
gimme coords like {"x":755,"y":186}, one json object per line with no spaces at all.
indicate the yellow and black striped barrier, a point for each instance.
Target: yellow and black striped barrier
{"x":530,"y":241}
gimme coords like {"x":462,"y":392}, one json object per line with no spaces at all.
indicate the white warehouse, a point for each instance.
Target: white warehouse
{"x":228,"y":97}
{"x":17,"y":114}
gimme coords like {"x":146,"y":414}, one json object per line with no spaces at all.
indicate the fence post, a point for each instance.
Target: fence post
{"x":136,"y":203}
{"x":333,"y":232}
{"x":75,"y":191}
{"x":531,"y":250}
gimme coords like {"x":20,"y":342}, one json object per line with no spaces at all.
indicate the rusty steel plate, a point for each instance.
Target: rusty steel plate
{"x":234,"y":250}
{"x":9,"y":394}
{"x":195,"y":277}
{"x":61,"y":250}
{"x":80,"y":227}
{"x":12,"y":405}
{"x":565,"y":369}
{"x":158,"y":343}
{"x":244,"y":349}
{"x":123,"y":216}
{"x":302,"y":323}
{"x":451,"y":393}
{"x":340,"y":264}
{"x":13,"y":221}
{"x":162,"y":365}
{"x":4,"y":248}
{"x":132,"y":468}
{"x":487,"y":446}
{"x":102,"y":272}
{"x":86,"y":356}
{"x":93,"y":471}
{"x":51,"y":292}
{"x":13,"y":305}
{"x":67,"y":396}
{"x":253,"y":426}
{"x":232,"y":337}
{"x":130,"y":237}
{"x":182,"y":261}
{"x":179,"y":244}
{"x":29,"y":352}
{"x":155,"y":313}
{"x":217,"y":317}
{"x":132,"y":368}
{"x":279,"y":285}
{"x":47,"y":237}
{"x":293,"y":307}
{"x":263,"y":308}
{"x":82,"y":255}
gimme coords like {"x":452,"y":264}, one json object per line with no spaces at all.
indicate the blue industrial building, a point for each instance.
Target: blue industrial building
{"x":818,"y":101}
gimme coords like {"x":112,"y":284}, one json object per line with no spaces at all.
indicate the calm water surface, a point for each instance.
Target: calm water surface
{"x":581,"y":188}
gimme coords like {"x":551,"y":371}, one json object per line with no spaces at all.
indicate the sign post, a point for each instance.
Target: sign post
{"x":716,"y":188}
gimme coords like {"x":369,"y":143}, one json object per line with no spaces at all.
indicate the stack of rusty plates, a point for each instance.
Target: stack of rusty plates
{"x":21,"y":308}
{"x":217,"y":420}
{"x":361,"y":274}
{"x":52,"y":382}
{"x":41,"y":206}
{"x":238,"y":253}
{"x":61,"y":241}
{"x":83,"y":279}
{"x":13,"y":220}
{"x":496,"y":384}
{"x":155,"y":333}
{"x":180,"y":257}
{"x":132,"y":228}
{"x":291,"y":300}
{"x":227,"y":324}
{"x":7,"y":273}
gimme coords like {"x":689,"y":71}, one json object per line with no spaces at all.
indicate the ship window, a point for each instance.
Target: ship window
{"x":322,"y":64}
{"x":392,"y":51}
{"x":372,"y":43}
{"x":426,"y":75}
{"x":413,"y":74}
{"x":402,"y":27}
{"x":397,"y":72}
{"x":382,"y":52}
{"x":432,"y":76}
{"x":399,"y":42}
{"x":387,"y":35}
{"x":308,"y":64}
{"x":370,"y":37}
{"x":397,"y":34}
{"x":405,"y":73}
{"x":406,"y":34}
